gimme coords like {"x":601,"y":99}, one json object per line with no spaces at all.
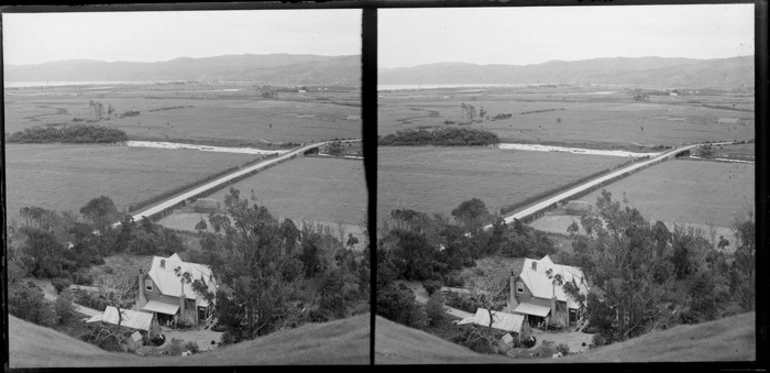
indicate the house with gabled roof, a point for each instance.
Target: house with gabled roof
{"x":168,"y":293}
{"x":537,"y":294}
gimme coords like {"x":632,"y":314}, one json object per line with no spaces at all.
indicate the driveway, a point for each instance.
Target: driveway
{"x":50,"y":294}
{"x":574,"y":340}
{"x":202,"y":337}
{"x":421,"y":296}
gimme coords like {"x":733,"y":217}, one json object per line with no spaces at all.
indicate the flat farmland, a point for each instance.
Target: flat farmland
{"x":65,"y":177}
{"x":219,"y":115}
{"x":575,"y":116}
{"x":323,"y":190}
{"x":688,"y":191}
{"x":438,"y":179}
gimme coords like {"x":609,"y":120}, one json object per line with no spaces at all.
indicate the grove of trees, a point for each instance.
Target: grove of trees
{"x":447,"y":136}
{"x":641,"y":268}
{"x":416,"y":246}
{"x":270,"y":268}
{"x":76,"y":133}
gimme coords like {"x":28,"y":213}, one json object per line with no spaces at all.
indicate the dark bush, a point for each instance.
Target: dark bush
{"x":434,"y":310}
{"x":60,"y":284}
{"x":454,"y":280}
{"x":192,"y":347}
{"x":598,"y":340}
{"x":448,"y":136}
{"x":462,"y":301}
{"x":77,"y":133}
{"x":27,"y":302}
{"x":431,"y":286}
{"x":563,"y":349}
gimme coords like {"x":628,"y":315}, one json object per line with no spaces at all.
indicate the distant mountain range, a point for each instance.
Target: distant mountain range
{"x":639,"y":71}
{"x":274,"y":69}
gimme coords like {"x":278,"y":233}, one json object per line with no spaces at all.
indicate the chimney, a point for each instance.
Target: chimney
{"x":182,"y":302}
{"x":512,"y":301}
{"x":534,"y":266}
{"x":163,"y":263}
{"x":553,"y":310}
{"x":141,"y":299}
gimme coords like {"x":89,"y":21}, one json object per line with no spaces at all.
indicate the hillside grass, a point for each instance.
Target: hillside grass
{"x":65,"y":177}
{"x":438,"y":179}
{"x":337,"y":342}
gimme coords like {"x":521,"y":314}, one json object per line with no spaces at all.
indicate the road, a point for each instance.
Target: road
{"x":575,"y":190}
{"x":50,"y":294}
{"x":421,"y":296}
{"x":189,"y":194}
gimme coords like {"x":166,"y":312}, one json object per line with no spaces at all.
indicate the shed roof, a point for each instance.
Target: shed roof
{"x":163,"y":273}
{"x":130,"y":319}
{"x":164,"y":308}
{"x":501,"y":320}
{"x":541,"y":285}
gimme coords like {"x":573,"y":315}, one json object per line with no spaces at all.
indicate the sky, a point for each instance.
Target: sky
{"x":522,"y":36}
{"x":161,"y":36}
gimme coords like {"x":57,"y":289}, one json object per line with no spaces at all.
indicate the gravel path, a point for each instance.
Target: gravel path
{"x":422,"y":296}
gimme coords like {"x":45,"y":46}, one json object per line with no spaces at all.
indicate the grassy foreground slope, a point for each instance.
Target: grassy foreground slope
{"x":337,"y":342}
{"x":729,"y":339}
{"x":398,"y":344}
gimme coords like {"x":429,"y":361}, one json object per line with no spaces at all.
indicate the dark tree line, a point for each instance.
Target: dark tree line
{"x":77,"y":133}
{"x":450,"y":136}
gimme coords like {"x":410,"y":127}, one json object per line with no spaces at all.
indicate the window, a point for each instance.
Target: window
{"x":519,"y":287}
{"x":148,"y":285}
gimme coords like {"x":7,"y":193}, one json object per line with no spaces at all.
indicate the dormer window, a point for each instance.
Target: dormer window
{"x":519,"y":287}
{"x":148,"y":285}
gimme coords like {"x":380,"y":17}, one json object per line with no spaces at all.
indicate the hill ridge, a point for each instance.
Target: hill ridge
{"x":730,"y":72}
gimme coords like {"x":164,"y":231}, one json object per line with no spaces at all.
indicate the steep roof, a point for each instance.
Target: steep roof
{"x":541,"y":286}
{"x":169,"y":283}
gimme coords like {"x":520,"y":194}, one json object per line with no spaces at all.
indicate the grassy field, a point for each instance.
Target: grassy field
{"x":343,"y":341}
{"x":686,"y":191}
{"x":65,"y":177}
{"x":438,"y":179}
{"x":575,"y":115}
{"x":203,"y":114}
{"x":304,"y":189}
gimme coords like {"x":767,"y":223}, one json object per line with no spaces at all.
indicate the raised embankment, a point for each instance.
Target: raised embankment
{"x":536,"y":210}
{"x":162,"y":209}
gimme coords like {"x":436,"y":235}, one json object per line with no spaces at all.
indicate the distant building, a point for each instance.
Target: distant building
{"x":534,"y":294}
{"x":164,"y":292}
{"x":353,"y":117}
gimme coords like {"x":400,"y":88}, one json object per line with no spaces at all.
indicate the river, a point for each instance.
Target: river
{"x":204,"y":148}
{"x":552,"y":148}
